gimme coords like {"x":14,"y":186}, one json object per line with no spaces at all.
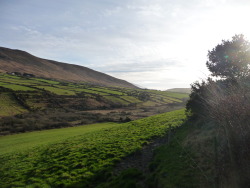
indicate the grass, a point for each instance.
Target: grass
{"x":116,"y":100}
{"x":77,"y":160}
{"x":3,"y":83}
{"x":149,"y":103}
{"x":9,"y":105}
{"x":18,"y":83}
{"x":170,"y":94}
{"x":24,"y":81}
{"x":34,"y":94}
{"x":131,"y":99}
{"x":24,"y":141}
{"x":16,"y":87}
{"x":164,"y":97}
{"x":57,"y":91}
{"x":176,"y":95}
{"x":173,"y":164}
{"x":169,"y":100}
{"x":3,"y":75}
{"x":46,"y":81}
{"x":108,"y":91}
{"x":160,"y":98}
{"x":89,"y":91}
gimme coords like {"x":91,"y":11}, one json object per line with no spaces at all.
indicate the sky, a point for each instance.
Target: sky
{"x":157,"y":44}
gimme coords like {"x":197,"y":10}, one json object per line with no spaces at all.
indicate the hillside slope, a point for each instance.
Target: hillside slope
{"x":180,"y":90}
{"x":23,"y":62}
{"x":50,"y":103}
{"x":79,"y":158}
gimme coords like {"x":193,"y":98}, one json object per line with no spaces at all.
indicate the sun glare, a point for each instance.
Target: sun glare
{"x":238,"y":20}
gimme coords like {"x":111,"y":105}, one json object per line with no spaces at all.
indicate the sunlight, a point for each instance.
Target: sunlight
{"x":236,"y":21}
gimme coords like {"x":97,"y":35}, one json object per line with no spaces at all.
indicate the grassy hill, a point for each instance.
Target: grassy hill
{"x":180,"y":90}
{"x":38,"y":103}
{"x":78,"y":156}
{"x":23,"y":62}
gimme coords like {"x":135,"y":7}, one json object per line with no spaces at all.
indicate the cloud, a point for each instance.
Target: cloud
{"x":139,"y":66}
{"x":145,"y":42}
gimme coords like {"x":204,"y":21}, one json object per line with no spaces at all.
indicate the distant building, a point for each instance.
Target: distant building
{"x":15,"y":73}
{"x":20,"y":74}
{"x":28,"y":75}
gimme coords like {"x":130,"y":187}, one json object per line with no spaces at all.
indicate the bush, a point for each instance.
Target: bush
{"x":226,"y":103}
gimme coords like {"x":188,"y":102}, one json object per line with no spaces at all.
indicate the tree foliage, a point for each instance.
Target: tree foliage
{"x":225,"y":103}
{"x":196,"y":100}
{"x":230,"y":59}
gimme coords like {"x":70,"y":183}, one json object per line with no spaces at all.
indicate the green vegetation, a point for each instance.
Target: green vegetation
{"x":22,"y":142}
{"x":180,"y":90}
{"x":149,"y":103}
{"x":230,"y":59}
{"x":90,"y":91}
{"x":10,"y":79}
{"x":16,"y":87}
{"x":211,"y":149}
{"x":47,"y":81}
{"x":170,"y":94}
{"x":117,"y":100}
{"x":224,"y":102}
{"x":56,"y":90}
{"x":130,"y":99}
{"x":109,"y":91}
{"x":9,"y":106}
{"x":7,"y":76}
{"x":79,"y":160}
{"x":176,"y":95}
{"x":38,"y":96}
{"x":18,"y":83}
{"x":2,"y":83}
{"x":173,"y":164}
{"x":126,"y":179}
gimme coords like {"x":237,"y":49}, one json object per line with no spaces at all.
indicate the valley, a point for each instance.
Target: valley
{"x":63,"y":104}
{"x":74,"y":131}
{"x":125,"y":94}
{"x":81,"y":130}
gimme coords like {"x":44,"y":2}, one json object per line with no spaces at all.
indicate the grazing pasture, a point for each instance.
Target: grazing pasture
{"x":75,"y":159}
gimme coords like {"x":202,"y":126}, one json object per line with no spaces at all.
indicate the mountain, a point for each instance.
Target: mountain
{"x":180,"y":90}
{"x":23,"y":62}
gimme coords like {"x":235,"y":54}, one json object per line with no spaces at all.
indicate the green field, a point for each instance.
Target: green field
{"x":116,"y":100}
{"x":175,"y":95}
{"x":170,"y":94}
{"x":18,"y":83}
{"x":21,"y":81}
{"x":77,"y":158}
{"x":38,"y":103}
{"x":56,"y":90}
{"x":9,"y":105}
{"x":149,"y":103}
{"x":109,"y":91}
{"x":131,"y":99}
{"x":89,"y":91}
{"x":24,"y":141}
{"x":16,"y":87}
{"x":46,"y":81}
